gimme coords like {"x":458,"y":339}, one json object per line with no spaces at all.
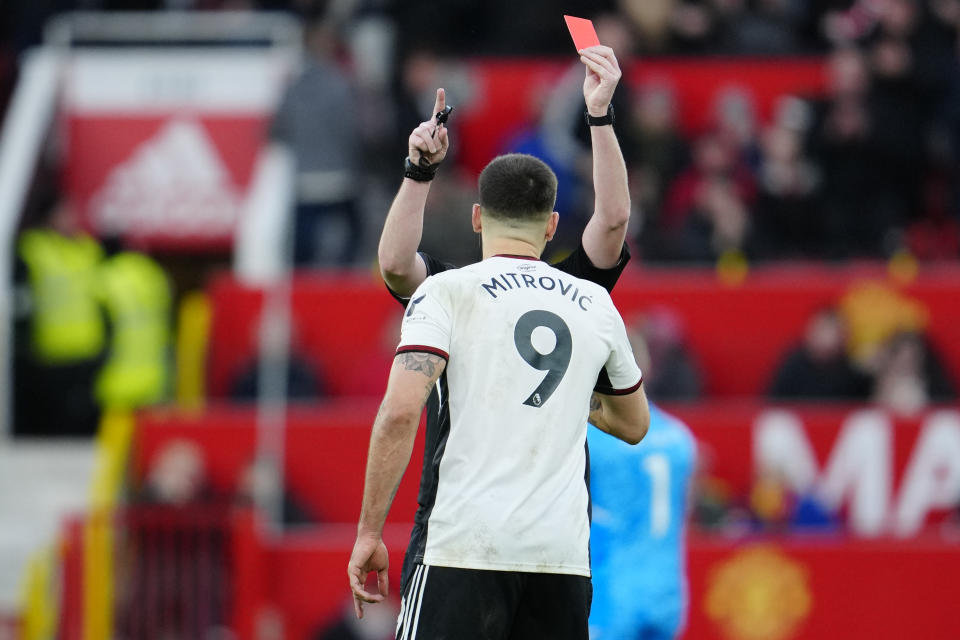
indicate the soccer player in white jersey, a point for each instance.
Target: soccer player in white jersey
{"x":515,"y":349}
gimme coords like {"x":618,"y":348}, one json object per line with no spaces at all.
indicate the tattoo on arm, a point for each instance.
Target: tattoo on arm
{"x":596,"y":414}
{"x":425,"y":363}
{"x":595,"y":403}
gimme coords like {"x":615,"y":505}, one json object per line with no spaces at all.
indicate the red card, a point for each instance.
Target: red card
{"x":582,"y":32}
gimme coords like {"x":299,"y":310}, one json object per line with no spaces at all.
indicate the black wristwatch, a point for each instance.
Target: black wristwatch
{"x":418,"y":172}
{"x":602,"y":120}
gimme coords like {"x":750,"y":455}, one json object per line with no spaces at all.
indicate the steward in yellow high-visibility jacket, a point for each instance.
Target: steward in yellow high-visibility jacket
{"x":60,"y":330}
{"x":136,"y":295}
{"x":66,"y":323}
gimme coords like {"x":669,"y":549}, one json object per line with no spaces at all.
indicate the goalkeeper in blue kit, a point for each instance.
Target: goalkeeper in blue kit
{"x":639,"y":495}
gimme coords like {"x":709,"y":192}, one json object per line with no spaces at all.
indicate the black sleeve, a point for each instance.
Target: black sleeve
{"x":434,"y":266}
{"x":578,"y":264}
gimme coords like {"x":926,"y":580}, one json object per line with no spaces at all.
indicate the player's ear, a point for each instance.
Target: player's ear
{"x":475,"y":218}
{"x":552,"y":222}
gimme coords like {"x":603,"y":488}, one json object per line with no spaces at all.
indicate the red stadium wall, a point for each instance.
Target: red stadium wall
{"x":347,"y":325}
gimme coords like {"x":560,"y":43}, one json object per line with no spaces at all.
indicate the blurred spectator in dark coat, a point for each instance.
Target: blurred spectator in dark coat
{"x":657,"y":157}
{"x":819,"y":367}
{"x":787,"y":211}
{"x":842,"y":145}
{"x":759,"y":27}
{"x":670,"y":371}
{"x":714,"y":159}
{"x":909,"y":375}
{"x":315,"y":121}
{"x":706,"y":211}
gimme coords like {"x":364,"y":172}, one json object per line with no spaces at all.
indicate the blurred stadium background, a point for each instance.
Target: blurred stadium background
{"x":195,"y":337}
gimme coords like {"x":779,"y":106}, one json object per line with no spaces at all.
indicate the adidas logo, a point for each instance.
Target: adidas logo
{"x":173,"y":184}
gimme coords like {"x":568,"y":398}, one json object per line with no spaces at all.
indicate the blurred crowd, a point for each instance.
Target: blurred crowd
{"x":869,"y":169}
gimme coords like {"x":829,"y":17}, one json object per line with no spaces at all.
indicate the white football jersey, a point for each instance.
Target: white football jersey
{"x":525,"y":344}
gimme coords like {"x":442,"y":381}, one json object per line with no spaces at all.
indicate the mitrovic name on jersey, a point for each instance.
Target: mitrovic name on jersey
{"x":506,"y":282}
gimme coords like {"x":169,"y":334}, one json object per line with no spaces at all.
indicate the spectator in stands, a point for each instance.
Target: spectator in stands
{"x":659,"y":154}
{"x":694,"y":26}
{"x":651,"y":20}
{"x":759,"y":27}
{"x":60,"y":335}
{"x":787,"y":210}
{"x":909,"y":376}
{"x":176,"y":551}
{"x":706,"y":209}
{"x":315,"y":121}
{"x":819,"y":368}
{"x":659,"y":344}
{"x":842,"y":146}
{"x":735,"y":122}
{"x":177,"y":476}
{"x":716,"y":226}
{"x":897,"y":102}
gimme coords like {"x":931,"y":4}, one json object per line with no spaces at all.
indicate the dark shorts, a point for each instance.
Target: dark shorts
{"x":443,"y":603}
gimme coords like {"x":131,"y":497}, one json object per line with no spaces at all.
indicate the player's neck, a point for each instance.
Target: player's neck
{"x":500,"y":246}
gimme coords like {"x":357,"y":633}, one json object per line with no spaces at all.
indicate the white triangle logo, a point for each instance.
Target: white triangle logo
{"x":173,"y":184}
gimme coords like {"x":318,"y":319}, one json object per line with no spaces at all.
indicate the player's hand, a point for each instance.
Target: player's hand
{"x":429,"y":140}
{"x":369,"y":554}
{"x":603,"y":74}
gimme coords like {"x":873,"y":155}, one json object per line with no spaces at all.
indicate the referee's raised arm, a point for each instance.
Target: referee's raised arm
{"x":604,"y":235}
{"x":401,"y":267}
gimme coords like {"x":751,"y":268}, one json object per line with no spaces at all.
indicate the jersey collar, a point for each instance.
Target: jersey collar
{"x":510,"y":255}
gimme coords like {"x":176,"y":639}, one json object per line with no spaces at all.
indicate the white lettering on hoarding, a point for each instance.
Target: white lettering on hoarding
{"x":859,"y":469}
{"x":932,"y":478}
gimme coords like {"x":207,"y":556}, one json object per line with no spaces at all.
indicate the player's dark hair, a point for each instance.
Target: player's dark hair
{"x":517,"y":187}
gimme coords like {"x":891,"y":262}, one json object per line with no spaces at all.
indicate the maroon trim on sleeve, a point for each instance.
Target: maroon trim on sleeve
{"x":610,"y":391}
{"x":419,"y":348}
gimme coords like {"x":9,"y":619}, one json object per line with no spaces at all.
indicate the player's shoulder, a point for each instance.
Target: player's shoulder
{"x":586,"y":285}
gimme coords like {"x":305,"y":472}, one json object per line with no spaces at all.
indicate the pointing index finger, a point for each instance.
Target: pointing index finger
{"x":440,"y":103}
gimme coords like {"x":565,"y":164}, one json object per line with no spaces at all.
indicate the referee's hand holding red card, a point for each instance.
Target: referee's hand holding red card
{"x":603,"y":75}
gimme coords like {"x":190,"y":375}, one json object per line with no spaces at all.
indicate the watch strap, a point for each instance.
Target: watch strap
{"x":600,"y":121}
{"x":418,"y":173}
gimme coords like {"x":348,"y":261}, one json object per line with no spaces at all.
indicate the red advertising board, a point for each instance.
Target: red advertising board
{"x":737,"y":332}
{"x":888,"y":475}
{"x":161,"y":146}
{"x":879,"y":577}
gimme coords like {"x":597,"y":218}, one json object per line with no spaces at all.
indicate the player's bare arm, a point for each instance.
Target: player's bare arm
{"x":626,"y":417}
{"x":391,"y":442}
{"x":401,"y":267}
{"x":606,"y":230}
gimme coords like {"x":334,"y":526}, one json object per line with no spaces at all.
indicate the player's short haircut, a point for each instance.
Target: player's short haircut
{"x":518,"y":188}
